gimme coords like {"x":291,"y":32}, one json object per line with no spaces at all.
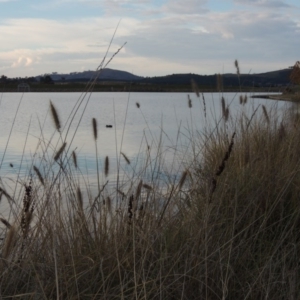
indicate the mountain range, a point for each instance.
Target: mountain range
{"x":274,"y":78}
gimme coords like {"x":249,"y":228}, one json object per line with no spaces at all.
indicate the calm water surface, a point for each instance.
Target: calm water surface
{"x":163,"y":121}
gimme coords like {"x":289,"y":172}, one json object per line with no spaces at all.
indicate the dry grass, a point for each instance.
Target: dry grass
{"x":236,"y":240}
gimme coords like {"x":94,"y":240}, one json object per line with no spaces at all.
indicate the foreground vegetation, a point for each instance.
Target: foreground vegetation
{"x":228,"y":228}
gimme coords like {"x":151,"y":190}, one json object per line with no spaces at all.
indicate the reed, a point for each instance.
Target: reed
{"x":55,"y":117}
{"x":126,"y":158}
{"x":9,"y":241}
{"x":95,"y":129}
{"x":182,"y":179}
{"x":106,"y":166}
{"x":224,"y":226}
{"x":38,"y":173}
{"x":189,"y":102}
{"x":219,"y":83}
{"x":6,"y":223}
{"x":195,"y":88}
{"x":74,"y":157}
{"x":266,"y":114}
{"x":60,"y":151}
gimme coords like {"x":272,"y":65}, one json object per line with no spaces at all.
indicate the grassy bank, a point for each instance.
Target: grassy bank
{"x":227,"y":229}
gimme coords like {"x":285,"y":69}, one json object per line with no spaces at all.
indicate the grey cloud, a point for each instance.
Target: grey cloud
{"x":186,"y":7}
{"x":256,"y":38}
{"x":264,"y":3}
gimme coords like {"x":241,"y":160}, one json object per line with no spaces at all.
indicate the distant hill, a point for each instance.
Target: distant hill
{"x":274,"y":78}
{"x":280,"y":77}
{"x":105,"y":74}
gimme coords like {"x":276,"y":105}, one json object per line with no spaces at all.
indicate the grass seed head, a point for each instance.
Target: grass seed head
{"x":55,"y":116}
{"x":236,"y":64}
{"x":106,"y":166}
{"x":126,"y":158}
{"x":74,"y":156}
{"x":38,"y":173}
{"x":95,"y":130}
{"x":182,"y":179}
{"x":60,"y":151}
{"x":9,"y":241}
{"x":189,"y":101}
{"x":266,"y":114}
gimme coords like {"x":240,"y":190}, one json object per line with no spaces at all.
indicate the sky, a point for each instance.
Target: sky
{"x":162,"y":36}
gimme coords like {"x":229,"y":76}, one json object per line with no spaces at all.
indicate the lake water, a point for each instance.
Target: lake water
{"x":163,"y":121}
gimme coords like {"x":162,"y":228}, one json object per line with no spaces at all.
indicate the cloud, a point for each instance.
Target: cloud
{"x":264,"y":3}
{"x":57,"y":45}
{"x":22,"y":62}
{"x":186,"y":7}
{"x":182,"y":37}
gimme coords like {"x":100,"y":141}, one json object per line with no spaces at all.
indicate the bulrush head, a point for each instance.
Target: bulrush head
{"x":55,"y":116}
{"x":241,"y":99}
{"x":182,"y":179}
{"x":38,"y":173}
{"x":79,"y":199}
{"x":138,"y":190}
{"x":60,"y":151}
{"x":137,"y":104}
{"x":266,"y":114}
{"x":190,"y":102}
{"x":106,"y":166}
{"x":236,"y":64}
{"x":9,"y":242}
{"x":225,"y":110}
{"x":6,"y":223}
{"x":126,"y":158}
{"x":95,"y":129}
{"x":147,"y":187}
{"x":74,"y":156}
{"x":108,"y":204}
{"x":223,"y":106}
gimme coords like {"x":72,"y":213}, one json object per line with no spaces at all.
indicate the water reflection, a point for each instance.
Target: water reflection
{"x":159,"y":130}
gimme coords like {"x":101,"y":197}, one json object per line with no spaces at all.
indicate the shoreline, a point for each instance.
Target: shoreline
{"x":281,"y":97}
{"x":141,"y":89}
{"x":133,"y":87}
